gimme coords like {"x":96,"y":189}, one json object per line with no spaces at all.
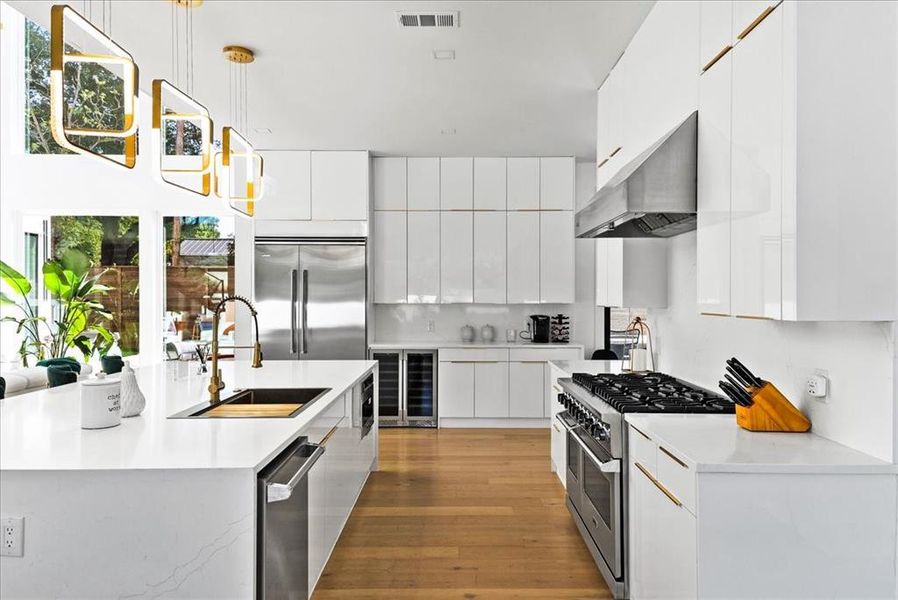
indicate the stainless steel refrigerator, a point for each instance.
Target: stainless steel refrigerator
{"x":310,"y":295}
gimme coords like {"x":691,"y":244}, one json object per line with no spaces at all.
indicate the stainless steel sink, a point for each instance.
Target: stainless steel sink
{"x":256,"y":403}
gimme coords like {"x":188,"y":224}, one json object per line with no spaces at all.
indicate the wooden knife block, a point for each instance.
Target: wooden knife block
{"x":771,"y":411}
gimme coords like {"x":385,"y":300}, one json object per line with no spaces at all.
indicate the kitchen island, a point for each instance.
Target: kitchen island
{"x":167,"y":507}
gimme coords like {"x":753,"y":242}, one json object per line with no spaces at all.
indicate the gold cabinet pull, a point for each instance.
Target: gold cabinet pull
{"x":328,"y":436}
{"x":659,"y":485}
{"x":672,"y":457}
{"x":616,"y":150}
{"x":717,"y":57}
{"x":599,"y":166}
{"x":640,"y":433}
{"x":756,"y":22}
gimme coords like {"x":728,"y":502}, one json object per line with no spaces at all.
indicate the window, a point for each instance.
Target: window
{"x":93,"y":98}
{"x":617,"y":322}
{"x":31,"y":262}
{"x":111,"y":246}
{"x":199,"y":271}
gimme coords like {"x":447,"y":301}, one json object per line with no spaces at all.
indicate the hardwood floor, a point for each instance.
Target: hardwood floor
{"x":461,"y":513}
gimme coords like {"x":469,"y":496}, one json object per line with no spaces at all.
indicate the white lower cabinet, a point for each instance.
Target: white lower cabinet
{"x":526,"y":389}
{"x":491,"y":383}
{"x":456,"y":389}
{"x":318,"y":550}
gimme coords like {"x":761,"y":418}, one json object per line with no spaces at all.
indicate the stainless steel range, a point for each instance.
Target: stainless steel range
{"x":596,"y":476}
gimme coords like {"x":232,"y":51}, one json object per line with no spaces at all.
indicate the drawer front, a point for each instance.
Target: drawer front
{"x":677,"y":476}
{"x":544,"y":354}
{"x":474,"y":355}
{"x":642,"y":449}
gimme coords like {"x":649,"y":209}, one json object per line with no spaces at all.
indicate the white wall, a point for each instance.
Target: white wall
{"x":859,"y":357}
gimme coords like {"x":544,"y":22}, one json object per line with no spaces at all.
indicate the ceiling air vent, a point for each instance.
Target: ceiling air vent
{"x":440,"y":19}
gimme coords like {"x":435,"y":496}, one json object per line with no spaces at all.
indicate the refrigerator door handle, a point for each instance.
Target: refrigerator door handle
{"x":304,"y":342}
{"x":293,"y":293}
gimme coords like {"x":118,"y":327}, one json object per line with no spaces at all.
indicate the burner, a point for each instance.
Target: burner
{"x":652,"y":393}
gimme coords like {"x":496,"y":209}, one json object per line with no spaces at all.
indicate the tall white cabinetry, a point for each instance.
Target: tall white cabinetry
{"x":489,"y":230}
{"x":797,"y":194}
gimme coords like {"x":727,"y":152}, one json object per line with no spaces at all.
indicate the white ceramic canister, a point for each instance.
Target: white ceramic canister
{"x":101,"y":402}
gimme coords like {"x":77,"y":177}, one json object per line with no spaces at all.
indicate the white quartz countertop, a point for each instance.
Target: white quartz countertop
{"x":42,"y":430}
{"x":592,"y":367}
{"x":437,"y":344}
{"x":716,"y":444}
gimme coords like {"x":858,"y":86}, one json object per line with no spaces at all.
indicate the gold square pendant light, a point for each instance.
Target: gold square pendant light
{"x":105,"y":54}
{"x":182,"y":139}
{"x":238,"y":172}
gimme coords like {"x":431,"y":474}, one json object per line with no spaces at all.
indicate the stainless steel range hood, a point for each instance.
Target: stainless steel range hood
{"x":652,"y":196}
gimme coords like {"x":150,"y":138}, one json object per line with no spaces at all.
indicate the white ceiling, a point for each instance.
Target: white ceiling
{"x":343,"y":75}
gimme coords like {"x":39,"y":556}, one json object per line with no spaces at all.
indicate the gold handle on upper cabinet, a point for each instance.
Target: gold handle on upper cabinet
{"x":616,"y":150}
{"x":756,"y":22}
{"x":599,"y":166}
{"x":658,"y":485}
{"x":717,"y":57}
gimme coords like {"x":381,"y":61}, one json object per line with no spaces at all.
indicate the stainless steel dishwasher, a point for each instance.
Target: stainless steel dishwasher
{"x":282,"y":553}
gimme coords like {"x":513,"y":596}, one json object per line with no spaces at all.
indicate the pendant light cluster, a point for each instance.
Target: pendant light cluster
{"x":184,"y":152}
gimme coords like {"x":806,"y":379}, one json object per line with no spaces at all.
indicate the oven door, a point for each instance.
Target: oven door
{"x":600,"y":501}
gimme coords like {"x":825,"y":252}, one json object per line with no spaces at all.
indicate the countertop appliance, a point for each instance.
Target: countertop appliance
{"x":596,"y":476}
{"x":310,"y":296}
{"x":654,"y":195}
{"x":540,"y":329}
{"x":282,"y":551}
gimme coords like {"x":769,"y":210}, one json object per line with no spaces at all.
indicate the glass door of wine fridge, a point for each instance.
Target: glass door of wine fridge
{"x":407,"y":388}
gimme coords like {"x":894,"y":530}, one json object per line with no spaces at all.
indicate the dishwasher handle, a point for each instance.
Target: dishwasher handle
{"x":277,"y":492}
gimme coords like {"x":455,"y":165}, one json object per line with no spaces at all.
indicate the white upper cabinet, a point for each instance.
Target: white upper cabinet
{"x":456,"y":257}
{"x":523,"y":257}
{"x":489,"y":183}
{"x":423,"y":183}
{"x":289,"y":196}
{"x":523,"y":183}
{"x":489,"y":257}
{"x":757,"y":177}
{"x":612,"y":128}
{"x":390,"y":183}
{"x":556,"y":183}
{"x":340,"y":186}
{"x":423,"y":257}
{"x":390,"y":257}
{"x":556,"y":256}
{"x":714,"y":184}
{"x":456,"y":183}
{"x":631,"y":272}
{"x":716,"y":32}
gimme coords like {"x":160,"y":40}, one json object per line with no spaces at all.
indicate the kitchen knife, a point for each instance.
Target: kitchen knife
{"x":736,"y":364}
{"x":740,"y":377}
{"x":731,"y":393}
{"x":740,"y":391}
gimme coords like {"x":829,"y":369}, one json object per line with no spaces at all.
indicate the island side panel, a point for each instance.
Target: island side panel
{"x":796,"y":535}
{"x":138,"y":533}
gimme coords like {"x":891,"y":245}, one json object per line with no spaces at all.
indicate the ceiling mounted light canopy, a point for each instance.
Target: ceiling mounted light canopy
{"x":238,"y":168}
{"x":94,"y":53}
{"x":182,"y":127}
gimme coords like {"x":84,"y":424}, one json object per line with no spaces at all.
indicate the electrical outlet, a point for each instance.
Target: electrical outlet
{"x":818,"y":385}
{"x":13,"y":532}
{"x":430,"y":327}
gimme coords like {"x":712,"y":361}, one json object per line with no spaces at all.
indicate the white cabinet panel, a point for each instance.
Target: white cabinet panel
{"x":631,"y":272}
{"x":489,"y":183}
{"x":556,"y":256}
{"x":289,"y":195}
{"x":456,"y":183}
{"x":757,"y":130}
{"x":526,"y":390}
{"x":456,"y":257}
{"x":390,"y":257}
{"x":390,"y":183}
{"x":456,"y":390}
{"x":523,"y":183}
{"x":423,"y":183}
{"x":317,"y":481}
{"x":340,"y":186}
{"x":716,"y":30}
{"x":616,"y":273}
{"x":714,"y":186}
{"x":523,"y":257}
{"x":489,"y":257}
{"x":556,"y":183}
{"x":602,"y":297}
{"x":491,"y":390}
{"x":424,"y":257}
{"x":745,"y":12}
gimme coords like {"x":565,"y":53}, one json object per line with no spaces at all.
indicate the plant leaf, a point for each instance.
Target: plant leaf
{"x":76,"y":261}
{"x":55,"y":281}
{"x":14,"y":279}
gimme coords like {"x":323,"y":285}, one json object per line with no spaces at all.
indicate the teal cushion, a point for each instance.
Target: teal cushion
{"x":65,"y":360}
{"x":61,"y":375}
{"x":112,"y":364}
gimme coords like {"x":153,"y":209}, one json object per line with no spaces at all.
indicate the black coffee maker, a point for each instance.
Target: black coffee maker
{"x":539,"y":329}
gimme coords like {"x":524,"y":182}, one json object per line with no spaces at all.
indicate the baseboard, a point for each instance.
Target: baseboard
{"x":495,"y":423}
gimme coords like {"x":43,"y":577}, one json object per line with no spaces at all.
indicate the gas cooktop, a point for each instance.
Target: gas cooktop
{"x":652,"y":393}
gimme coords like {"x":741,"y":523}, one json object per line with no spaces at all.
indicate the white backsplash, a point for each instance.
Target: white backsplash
{"x":859,"y":358}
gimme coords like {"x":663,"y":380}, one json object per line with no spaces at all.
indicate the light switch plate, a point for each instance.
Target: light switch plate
{"x":12,"y":531}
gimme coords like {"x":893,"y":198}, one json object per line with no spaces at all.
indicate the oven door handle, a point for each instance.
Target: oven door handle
{"x":609,"y":466}
{"x":563,"y":424}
